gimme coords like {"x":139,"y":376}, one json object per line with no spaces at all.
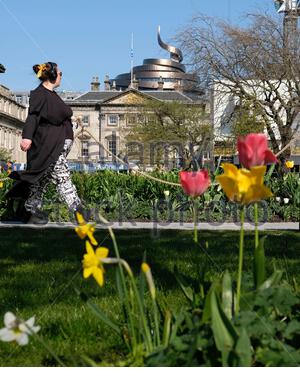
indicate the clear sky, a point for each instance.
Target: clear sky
{"x":92,"y":37}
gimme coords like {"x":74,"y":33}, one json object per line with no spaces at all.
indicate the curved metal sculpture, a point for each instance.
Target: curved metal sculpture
{"x":154,"y":74}
{"x":175,"y":53}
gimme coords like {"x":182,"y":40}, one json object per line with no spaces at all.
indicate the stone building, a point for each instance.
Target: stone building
{"x":12,"y":118}
{"x":108,"y":115}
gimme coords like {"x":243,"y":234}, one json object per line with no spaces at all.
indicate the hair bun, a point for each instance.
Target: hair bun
{"x":36,"y":68}
{"x":43,"y":71}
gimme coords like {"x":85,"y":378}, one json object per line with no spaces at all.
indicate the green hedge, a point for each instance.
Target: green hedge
{"x":143,"y":198}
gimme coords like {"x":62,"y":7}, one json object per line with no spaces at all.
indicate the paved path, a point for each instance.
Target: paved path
{"x":161,"y":226}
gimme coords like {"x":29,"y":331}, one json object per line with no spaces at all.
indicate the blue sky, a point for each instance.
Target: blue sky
{"x":92,"y":37}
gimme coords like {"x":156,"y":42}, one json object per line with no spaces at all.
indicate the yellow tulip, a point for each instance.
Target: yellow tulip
{"x":242,"y":185}
{"x":92,"y":264}
{"x":85,"y":229}
{"x":290,"y":164}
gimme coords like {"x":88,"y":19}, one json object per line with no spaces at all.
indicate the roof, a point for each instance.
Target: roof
{"x":97,"y":96}
{"x":102,"y":96}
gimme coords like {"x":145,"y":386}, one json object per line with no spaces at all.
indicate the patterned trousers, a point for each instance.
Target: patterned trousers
{"x":59,"y":174}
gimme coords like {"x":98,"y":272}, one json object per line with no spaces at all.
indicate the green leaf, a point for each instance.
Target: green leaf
{"x":259,"y":271}
{"x":187,"y":290}
{"x":90,"y":362}
{"x":243,"y":349}
{"x":119,"y":286}
{"x":224,"y":332}
{"x":272,"y":281}
{"x":207,"y":307}
{"x":227,"y":296}
{"x":102,"y":316}
{"x":269,"y":173}
{"x":167,"y":329}
{"x":292,"y":329}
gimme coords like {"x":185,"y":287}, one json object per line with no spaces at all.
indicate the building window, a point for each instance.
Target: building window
{"x":85,"y":149}
{"x":113,"y":120}
{"x":112,"y":147}
{"x":19,"y":99}
{"x":131,"y":119}
{"x":86,"y":120}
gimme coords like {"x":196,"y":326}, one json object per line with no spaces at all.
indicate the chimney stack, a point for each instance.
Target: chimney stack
{"x":106,"y":83}
{"x":95,"y":84}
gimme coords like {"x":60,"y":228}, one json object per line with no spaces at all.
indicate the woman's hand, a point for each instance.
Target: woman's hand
{"x":25,"y":144}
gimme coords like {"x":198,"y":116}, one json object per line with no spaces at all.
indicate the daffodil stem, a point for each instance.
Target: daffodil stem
{"x":147,"y":334}
{"x":126,"y":298}
{"x":195,"y":221}
{"x":156,"y":321}
{"x":241,"y":258}
{"x":256,"y":225}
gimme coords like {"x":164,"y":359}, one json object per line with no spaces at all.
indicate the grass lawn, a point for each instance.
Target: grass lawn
{"x":40,"y":269}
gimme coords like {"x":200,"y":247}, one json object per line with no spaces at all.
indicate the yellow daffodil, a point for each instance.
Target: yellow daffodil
{"x":85,"y":229}
{"x":290,"y":164}
{"x":1,"y":184}
{"x":147,"y":271}
{"x":145,"y":267}
{"x":92,"y":264}
{"x":242,"y":185}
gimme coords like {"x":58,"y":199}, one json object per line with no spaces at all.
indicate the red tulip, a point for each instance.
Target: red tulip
{"x":194,"y":183}
{"x":253,"y":151}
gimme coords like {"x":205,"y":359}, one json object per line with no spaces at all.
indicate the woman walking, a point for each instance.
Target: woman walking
{"x":47,"y":138}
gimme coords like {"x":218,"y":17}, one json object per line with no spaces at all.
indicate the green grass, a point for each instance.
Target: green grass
{"x":40,"y":269}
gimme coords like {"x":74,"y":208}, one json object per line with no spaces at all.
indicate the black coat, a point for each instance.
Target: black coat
{"x":48,"y":124}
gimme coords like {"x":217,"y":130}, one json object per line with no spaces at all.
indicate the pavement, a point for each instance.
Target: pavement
{"x":292,"y":226}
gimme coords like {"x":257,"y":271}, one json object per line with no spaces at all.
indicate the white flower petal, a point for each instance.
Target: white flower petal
{"x":28,"y":328}
{"x":36,"y":329}
{"x":23,"y":328}
{"x":9,"y":320}
{"x":7,"y":335}
{"x":22,"y":339}
{"x":30,"y":322}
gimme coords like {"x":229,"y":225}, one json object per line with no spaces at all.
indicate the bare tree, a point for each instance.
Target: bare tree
{"x":258,"y":64}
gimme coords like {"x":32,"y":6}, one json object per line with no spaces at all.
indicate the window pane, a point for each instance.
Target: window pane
{"x":113,"y":119}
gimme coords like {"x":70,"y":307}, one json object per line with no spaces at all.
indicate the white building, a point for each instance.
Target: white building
{"x":224,"y":103}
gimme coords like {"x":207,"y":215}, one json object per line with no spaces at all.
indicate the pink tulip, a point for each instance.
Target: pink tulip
{"x":194,"y":183}
{"x":253,"y":151}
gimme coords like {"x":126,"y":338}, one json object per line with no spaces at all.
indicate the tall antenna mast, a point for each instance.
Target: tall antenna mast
{"x":131,"y":65}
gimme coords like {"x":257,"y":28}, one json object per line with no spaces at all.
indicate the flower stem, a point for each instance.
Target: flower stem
{"x":195,"y":221}
{"x":46,"y":346}
{"x":126,"y":295}
{"x":256,"y":225}
{"x":241,"y":257}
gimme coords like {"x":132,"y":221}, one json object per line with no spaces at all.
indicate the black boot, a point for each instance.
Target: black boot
{"x":38,"y":217}
{"x":21,"y":213}
{"x":84,"y":212}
